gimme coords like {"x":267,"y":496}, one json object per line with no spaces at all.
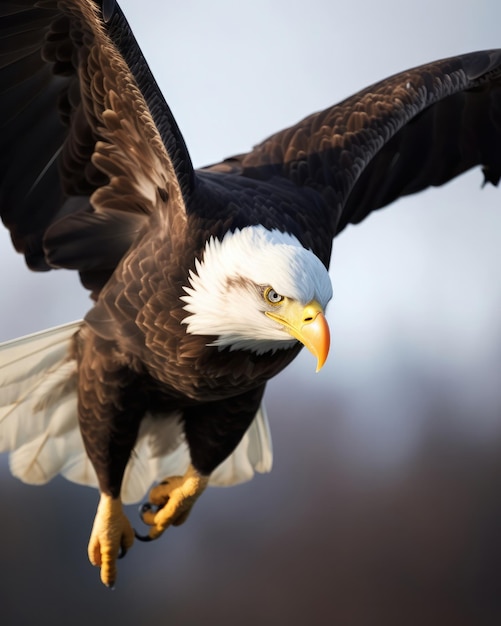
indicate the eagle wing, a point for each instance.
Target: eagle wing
{"x":89,"y":148}
{"x":417,"y":128}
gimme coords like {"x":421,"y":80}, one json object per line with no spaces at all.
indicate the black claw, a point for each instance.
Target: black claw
{"x":122,"y":552}
{"x":144,"y":538}
{"x":146,"y":507}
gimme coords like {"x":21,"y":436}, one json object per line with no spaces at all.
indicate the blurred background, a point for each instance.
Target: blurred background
{"x":383,"y":506}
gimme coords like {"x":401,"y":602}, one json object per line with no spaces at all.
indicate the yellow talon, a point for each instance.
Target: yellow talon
{"x":173,"y":500}
{"x":111,"y":537}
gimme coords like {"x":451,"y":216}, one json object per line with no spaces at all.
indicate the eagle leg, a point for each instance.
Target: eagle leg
{"x":111,"y":537}
{"x":171,"y":501}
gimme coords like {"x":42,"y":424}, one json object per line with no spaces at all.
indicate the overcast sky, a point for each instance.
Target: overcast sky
{"x":417,"y":281}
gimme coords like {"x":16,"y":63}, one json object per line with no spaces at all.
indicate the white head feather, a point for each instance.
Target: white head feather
{"x":225,"y":298}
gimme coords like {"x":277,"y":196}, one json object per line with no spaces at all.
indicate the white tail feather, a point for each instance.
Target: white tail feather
{"x":39,"y":424}
{"x":254,"y":453}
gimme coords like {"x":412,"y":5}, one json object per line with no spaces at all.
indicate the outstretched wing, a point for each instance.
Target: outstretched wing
{"x":88,"y":147}
{"x":418,"y":128}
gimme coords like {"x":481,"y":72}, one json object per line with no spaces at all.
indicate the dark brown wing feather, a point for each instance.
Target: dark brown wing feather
{"x":418,"y":128}
{"x":83,"y":157}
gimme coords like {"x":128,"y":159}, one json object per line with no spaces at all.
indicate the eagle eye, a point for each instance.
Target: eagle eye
{"x":271,"y":296}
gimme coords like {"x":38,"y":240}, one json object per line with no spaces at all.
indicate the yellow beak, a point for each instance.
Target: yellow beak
{"x":307,"y":324}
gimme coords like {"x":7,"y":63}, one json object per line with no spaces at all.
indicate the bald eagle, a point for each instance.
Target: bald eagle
{"x":205,"y":283}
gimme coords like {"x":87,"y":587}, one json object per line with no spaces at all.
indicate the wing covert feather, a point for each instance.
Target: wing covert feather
{"x":421,"y":127}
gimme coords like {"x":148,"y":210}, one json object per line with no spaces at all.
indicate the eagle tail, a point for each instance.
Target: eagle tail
{"x":254,"y":453}
{"x":39,"y":424}
{"x":161,"y":450}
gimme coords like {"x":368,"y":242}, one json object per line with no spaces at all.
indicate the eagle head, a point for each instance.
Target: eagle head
{"x":259,"y":290}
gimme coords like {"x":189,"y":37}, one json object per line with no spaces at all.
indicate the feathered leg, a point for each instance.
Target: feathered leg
{"x":212,"y":431}
{"x":110,"y":407}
